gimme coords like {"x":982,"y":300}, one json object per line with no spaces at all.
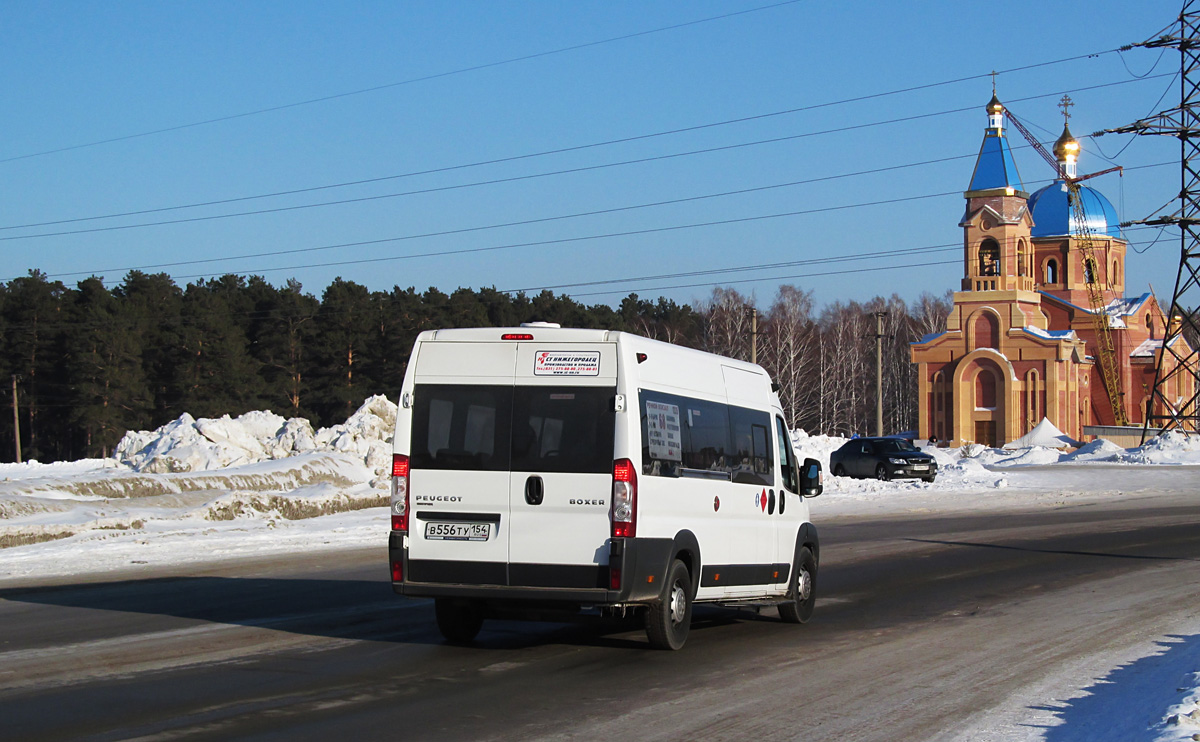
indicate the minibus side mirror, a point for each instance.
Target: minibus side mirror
{"x":810,"y":478}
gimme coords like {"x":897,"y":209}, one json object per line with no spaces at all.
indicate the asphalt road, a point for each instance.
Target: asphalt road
{"x":923,"y":621}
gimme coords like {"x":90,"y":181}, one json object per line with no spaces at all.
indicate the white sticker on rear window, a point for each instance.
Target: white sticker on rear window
{"x":662,"y":431}
{"x":566,"y":363}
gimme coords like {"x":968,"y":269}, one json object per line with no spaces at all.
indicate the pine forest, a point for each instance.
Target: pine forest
{"x":89,"y":363}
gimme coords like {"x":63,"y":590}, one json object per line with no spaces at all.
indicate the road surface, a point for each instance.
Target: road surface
{"x":927,"y":622}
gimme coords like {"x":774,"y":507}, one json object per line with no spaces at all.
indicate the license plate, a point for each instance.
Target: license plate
{"x":458,"y":531}
{"x":920,"y":467}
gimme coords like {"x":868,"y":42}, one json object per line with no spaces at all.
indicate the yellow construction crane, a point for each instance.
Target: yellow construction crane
{"x":1106,"y":352}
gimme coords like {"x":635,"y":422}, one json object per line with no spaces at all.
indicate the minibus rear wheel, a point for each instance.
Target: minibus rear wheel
{"x":670,"y":617}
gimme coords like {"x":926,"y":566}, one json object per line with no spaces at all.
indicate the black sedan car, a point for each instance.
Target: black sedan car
{"x":882,"y":458}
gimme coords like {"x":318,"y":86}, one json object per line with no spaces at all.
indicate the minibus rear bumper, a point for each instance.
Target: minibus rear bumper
{"x":635,"y":573}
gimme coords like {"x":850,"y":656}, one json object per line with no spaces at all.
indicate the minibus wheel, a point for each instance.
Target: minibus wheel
{"x":670,"y":617}
{"x":802,"y":595}
{"x":458,"y":620}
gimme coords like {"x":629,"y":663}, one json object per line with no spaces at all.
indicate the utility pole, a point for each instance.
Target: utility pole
{"x":16,"y":421}
{"x":1176,"y":362}
{"x":879,"y":372}
{"x":754,"y":335}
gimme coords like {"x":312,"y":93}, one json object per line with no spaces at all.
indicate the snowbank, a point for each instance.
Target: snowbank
{"x":189,"y":445}
{"x":189,"y":474}
{"x":1172,"y":447}
{"x":1032,"y":456}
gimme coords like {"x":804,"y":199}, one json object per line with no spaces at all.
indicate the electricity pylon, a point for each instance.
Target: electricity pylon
{"x":1173,"y":401}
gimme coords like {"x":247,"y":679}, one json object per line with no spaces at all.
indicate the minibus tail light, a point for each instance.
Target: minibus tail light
{"x":400,"y":493}
{"x":624,"y":499}
{"x":517,"y":336}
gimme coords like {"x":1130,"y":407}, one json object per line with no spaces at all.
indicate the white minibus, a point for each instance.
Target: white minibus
{"x":542,"y":470}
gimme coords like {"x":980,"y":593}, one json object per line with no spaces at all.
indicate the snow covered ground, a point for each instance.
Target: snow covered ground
{"x":198,"y":491}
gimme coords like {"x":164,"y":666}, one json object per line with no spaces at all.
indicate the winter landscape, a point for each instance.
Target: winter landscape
{"x":198,"y":491}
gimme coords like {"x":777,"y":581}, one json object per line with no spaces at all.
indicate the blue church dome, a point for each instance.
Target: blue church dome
{"x":1052,"y":213}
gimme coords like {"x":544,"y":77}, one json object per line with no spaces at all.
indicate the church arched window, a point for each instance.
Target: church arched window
{"x":1022,"y":258}
{"x":985,"y":389}
{"x":986,"y":331}
{"x":1089,"y":271}
{"x":989,"y":258}
{"x":1051,"y":271}
{"x":1116,"y":273}
{"x":1033,"y":407}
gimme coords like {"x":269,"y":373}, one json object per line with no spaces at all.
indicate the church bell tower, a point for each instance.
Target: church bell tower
{"x":997,"y":253}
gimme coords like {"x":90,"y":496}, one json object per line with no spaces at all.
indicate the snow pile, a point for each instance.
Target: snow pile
{"x":32,"y":468}
{"x":1171,"y":447}
{"x":190,"y":474}
{"x":969,"y":472}
{"x":1100,"y":449}
{"x":187,"y":444}
{"x":1182,"y":720}
{"x":1044,"y":434}
{"x":190,"y":445}
{"x":816,"y":446}
{"x":1031,"y":457}
{"x":367,"y":434}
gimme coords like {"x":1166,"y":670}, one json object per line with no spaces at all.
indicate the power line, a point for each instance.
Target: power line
{"x":490,"y":248}
{"x":747,"y":268}
{"x":258,"y":314}
{"x":567,"y":216}
{"x":410,"y":81}
{"x":738,"y":220}
{"x":362,"y":199}
{"x":772,"y":278}
{"x":496,"y":181}
{"x":462,"y":251}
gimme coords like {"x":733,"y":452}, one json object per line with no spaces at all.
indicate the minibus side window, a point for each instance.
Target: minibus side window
{"x":662,"y":433}
{"x":752,"y":461}
{"x":787,"y":458}
{"x":706,"y":442}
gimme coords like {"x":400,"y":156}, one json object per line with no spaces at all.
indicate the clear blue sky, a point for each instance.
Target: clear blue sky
{"x":82,"y":72}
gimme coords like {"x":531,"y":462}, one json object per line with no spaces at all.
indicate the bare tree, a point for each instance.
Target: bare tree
{"x":847,"y":368}
{"x":789,"y":350}
{"x":930,"y":313}
{"x":727,"y":324}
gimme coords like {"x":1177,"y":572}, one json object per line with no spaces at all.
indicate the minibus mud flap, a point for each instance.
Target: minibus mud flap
{"x":643,"y":563}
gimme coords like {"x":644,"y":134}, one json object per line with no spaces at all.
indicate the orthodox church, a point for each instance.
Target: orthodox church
{"x":1021,"y":342}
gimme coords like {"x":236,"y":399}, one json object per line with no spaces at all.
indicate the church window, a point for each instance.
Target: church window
{"x":1116,"y":273}
{"x":1022,"y":258}
{"x":986,"y":331}
{"x":1089,"y":271}
{"x":989,"y":258}
{"x":985,"y":390}
{"x":1033,"y":410}
{"x":1051,"y":271}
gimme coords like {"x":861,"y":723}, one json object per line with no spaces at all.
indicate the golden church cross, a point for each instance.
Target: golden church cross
{"x":1065,"y":104}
